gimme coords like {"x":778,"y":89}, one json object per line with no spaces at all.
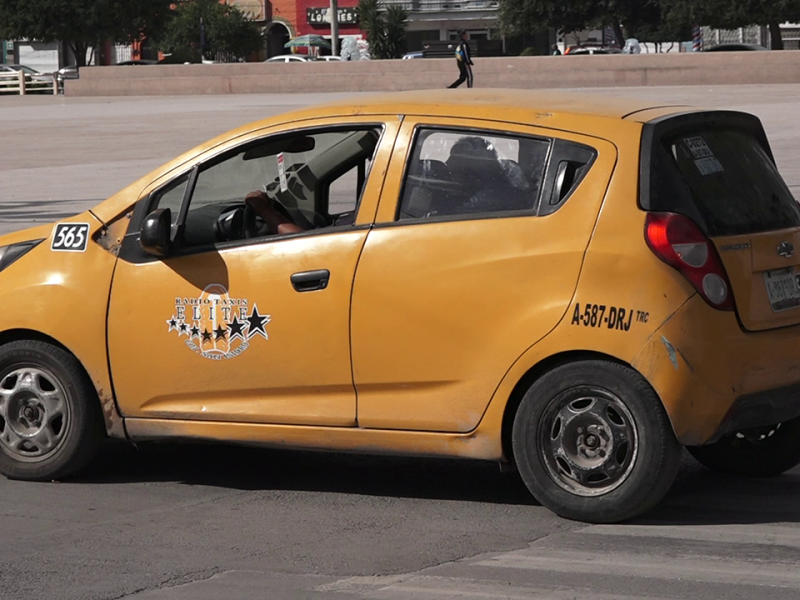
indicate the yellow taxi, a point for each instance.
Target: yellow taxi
{"x":574,"y":287}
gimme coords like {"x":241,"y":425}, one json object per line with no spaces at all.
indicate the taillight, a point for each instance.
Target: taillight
{"x":680,"y":243}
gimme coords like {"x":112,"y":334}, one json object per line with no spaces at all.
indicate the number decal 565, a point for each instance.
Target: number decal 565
{"x":70,"y":237}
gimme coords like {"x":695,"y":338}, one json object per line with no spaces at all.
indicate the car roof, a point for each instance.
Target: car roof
{"x":493,"y":104}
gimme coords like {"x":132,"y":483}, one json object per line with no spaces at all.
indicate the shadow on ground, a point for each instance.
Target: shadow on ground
{"x":699,"y":496}
{"x":702,"y":497}
{"x":246,"y":468}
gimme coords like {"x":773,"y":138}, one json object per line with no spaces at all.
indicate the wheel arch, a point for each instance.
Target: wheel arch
{"x":113,"y":420}
{"x":534,"y":373}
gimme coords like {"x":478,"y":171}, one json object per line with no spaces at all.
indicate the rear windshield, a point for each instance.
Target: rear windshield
{"x":724,"y":179}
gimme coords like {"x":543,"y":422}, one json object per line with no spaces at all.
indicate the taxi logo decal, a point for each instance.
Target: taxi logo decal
{"x":216,"y":325}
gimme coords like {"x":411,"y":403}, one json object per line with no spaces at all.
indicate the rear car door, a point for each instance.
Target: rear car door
{"x":717,"y":168}
{"x":475,"y":255}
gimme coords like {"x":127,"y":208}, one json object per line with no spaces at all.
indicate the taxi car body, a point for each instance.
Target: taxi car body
{"x":575,"y":287}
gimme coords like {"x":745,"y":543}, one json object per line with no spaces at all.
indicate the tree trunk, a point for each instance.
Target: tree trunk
{"x":79,"y":50}
{"x":775,"y":35}
{"x":618,"y":34}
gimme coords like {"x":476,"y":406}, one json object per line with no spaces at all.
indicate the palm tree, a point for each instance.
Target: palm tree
{"x":385,"y":29}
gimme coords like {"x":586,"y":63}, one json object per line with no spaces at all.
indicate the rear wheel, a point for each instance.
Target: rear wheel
{"x":593,"y":443}
{"x":50,"y":421}
{"x":763,"y":452}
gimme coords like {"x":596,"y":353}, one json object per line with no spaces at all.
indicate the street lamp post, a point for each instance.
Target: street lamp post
{"x":334,"y":27}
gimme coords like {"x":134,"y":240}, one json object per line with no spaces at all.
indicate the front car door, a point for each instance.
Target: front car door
{"x":475,"y":255}
{"x":239,"y":324}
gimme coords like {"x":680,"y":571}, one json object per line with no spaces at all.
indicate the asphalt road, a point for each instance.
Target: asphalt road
{"x":170,"y":522}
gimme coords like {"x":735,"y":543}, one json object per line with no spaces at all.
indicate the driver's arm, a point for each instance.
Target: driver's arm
{"x":264,"y":208}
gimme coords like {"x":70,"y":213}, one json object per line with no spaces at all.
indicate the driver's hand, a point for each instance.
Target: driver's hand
{"x":264,"y":207}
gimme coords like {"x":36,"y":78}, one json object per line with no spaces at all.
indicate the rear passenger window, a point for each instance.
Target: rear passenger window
{"x":455,"y":173}
{"x":725,"y":178}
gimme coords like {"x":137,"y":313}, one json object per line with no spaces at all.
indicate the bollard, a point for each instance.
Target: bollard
{"x":697,"y":39}
{"x":21,"y":82}
{"x":55,"y":84}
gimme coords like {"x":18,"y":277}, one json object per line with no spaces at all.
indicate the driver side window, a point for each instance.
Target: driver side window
{"x":279,"y":185}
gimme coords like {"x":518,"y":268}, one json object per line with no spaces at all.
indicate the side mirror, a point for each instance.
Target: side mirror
{"x":154,"y":236}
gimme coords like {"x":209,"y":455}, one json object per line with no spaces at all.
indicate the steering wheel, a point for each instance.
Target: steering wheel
{"x":253,"y":224}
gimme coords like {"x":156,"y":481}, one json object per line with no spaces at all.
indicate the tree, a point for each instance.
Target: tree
{"x":732,"y":14}
{"x":385,"y":30}
{"x":207,"y":27}
{"x":395,"y":29}
{"x":520,"y":17}
{"x":526,"y":16}
{"x":81,"y":24}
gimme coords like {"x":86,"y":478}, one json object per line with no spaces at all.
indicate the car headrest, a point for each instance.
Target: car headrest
{"x":429,"y":169}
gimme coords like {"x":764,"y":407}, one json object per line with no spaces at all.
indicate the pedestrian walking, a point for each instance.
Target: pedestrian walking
{"x":555,"y":51}
{"x":464,"y":62}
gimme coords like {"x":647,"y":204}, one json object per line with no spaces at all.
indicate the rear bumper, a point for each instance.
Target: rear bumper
{"x":760,"y":409}
{"x":714,"y":378}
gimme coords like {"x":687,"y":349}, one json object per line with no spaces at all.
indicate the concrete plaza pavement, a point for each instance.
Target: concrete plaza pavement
{"x":62,"y":155}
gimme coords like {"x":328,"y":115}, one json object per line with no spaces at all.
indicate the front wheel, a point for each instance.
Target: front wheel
{"x":50,"y":420}
{"x":593,"y":442}
{"x":763,"y":452}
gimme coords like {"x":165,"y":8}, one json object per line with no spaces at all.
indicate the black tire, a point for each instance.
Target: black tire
{"x":767,"y":452}
{"x":51,"y":425}
{"x":593,"y":442}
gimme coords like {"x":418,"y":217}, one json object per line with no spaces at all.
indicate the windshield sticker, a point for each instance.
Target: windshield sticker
{"x":698,"y":147}
{"x":282,"y":173}
{"x":70,"y":237}
{"x":708,"y":166}
{"x":217,"y":326}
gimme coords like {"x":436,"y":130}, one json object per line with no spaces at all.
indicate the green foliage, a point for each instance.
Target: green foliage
{"x":520,"y":17}
{"x":529,"y":51}
{"x":647,"y":20}
{"x":385,"y":30}
{"x":218,"y":27}
{"x":81,"y":23}
{"x":395,"y":31}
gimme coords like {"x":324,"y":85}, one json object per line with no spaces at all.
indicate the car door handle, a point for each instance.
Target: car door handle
{"x":310,"y":281}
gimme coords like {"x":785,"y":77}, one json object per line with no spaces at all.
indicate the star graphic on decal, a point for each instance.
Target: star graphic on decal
{"x":220,"y":332}
{"x":256,"y":324}
{"x":183,"y":327}
{"x":236,"y":327}
{"x":173,"y":324}
{"x":206,"y":335}
{"x":194,"y":332}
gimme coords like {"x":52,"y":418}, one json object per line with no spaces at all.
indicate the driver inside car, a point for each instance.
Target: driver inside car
{"x":276,"y":221}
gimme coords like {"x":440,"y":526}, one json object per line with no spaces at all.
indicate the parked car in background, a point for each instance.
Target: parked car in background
{"x":136,"y":62}
{"x":734,"y":48}
{"x":413,"y":55}
{"x":286,"y":58}
{"x":67,"y":72}
{"x":573,"y":50}
{"x":331,"y":58}
{"x":30,"y":74}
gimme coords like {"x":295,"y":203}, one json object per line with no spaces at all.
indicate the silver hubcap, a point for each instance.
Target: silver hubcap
{"x":34,"y":414}
{"x":588,"y":441}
